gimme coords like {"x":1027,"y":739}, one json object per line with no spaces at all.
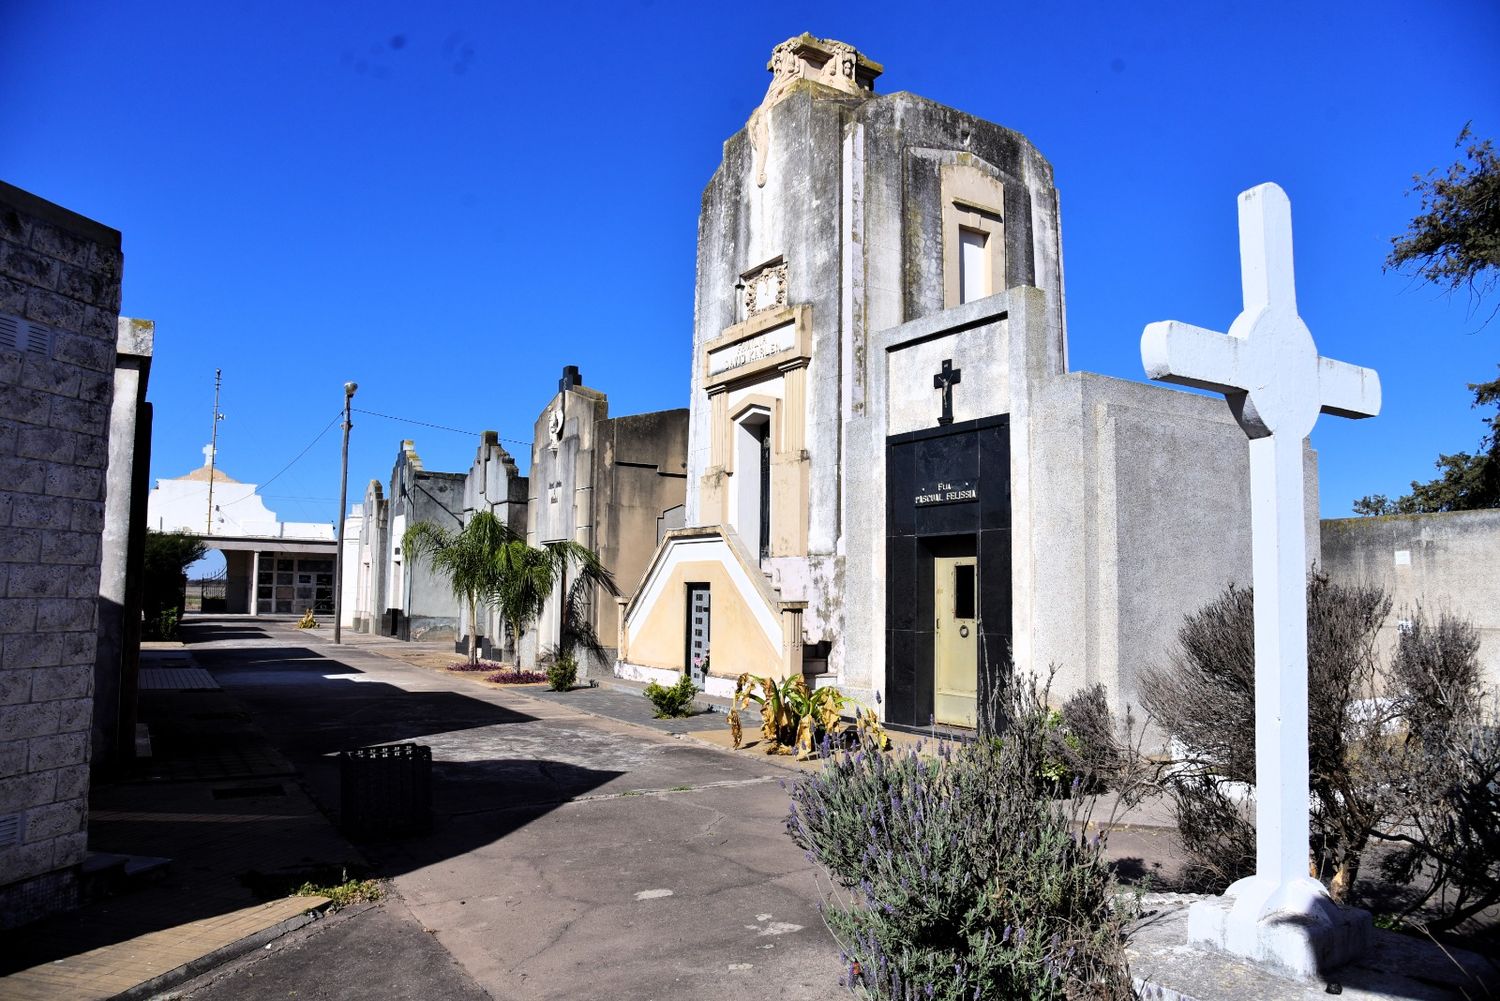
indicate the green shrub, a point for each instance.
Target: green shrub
{"x":163,"y":627}
{"x":168,"y":555}
{"x":673,"y":702}
{"x":340,"y":895}
{"x":963,"y":879}
{"x":562,"y":673}
{"x":796,"y":721}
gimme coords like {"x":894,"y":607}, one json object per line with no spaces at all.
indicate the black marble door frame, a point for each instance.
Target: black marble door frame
{"x":974,"y":452}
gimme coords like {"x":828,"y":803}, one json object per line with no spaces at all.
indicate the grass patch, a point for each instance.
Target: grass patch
{"x":340,"y":895}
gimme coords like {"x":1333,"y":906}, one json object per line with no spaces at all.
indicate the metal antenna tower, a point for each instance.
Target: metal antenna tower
{"x":213,"y":452}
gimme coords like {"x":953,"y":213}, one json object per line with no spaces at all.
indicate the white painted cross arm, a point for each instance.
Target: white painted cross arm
{"x":1186,"y":355}
{"x":1346,"y":390}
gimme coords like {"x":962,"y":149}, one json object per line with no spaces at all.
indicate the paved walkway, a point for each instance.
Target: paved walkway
{"x":580,"y":848}
{"x":572,"y":856}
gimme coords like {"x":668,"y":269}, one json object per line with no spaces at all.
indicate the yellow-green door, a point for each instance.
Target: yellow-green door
{"x":956,"y":640}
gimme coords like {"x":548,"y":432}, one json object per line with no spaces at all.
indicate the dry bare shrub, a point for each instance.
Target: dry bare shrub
{"x":1406,"y":754}
{"x":1447,"y":791}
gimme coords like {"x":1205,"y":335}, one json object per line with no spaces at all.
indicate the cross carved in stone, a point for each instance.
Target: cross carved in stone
{"x":946,"y":380}
{"x":1276,"y":384}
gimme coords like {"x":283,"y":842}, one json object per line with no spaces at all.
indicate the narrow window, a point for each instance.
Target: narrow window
{"x":765,"y":491}
{"x":973,"y":265}
{"x":963,"y":591}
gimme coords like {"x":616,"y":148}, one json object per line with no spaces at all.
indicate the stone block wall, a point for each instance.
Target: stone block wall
{"x":59,"y":303}
{"x":1440,"y":562}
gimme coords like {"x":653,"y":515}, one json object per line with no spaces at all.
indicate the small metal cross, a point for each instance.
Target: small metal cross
{"x":946,"y":380}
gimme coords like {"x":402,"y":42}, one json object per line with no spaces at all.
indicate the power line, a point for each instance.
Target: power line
{"x":439,"y":427}
{"x":289,"y":465}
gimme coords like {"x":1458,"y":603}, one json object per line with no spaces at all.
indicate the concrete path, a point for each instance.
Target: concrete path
{"x":572,"y":856}
{"x":372,"y":952}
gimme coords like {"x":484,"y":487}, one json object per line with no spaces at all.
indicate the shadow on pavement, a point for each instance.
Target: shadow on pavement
{"x":311,"y":706}
{"x":222,"y":797}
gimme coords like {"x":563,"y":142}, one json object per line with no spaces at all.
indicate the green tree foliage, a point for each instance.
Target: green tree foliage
{"x":1467,"y":482}
{"x":168,"y":555}
{"x":529,"y":575}
{"x":1455,"y":242}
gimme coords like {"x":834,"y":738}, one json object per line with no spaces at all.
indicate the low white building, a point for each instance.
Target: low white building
{"x":290,"y":565}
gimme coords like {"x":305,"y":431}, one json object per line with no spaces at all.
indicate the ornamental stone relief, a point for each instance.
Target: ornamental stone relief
{"x":766,"y":290}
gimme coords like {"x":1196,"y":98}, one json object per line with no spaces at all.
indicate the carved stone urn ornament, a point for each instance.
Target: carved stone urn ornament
{"x":833,"y":64}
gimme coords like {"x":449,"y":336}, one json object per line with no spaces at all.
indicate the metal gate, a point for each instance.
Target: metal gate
{"x":698,"y":632}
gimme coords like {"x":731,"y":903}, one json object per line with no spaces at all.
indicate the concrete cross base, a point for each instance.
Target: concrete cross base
{"x":1293,"y":927}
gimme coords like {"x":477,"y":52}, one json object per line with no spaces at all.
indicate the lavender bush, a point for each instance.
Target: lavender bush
{"x":960,"y":879}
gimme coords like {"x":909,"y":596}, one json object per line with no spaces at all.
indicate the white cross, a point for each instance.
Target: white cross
{"x":1269,"y":370}
{"x":208,"y":455}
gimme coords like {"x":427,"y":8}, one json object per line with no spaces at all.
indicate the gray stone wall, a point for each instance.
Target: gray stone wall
{"x":60,"y":293}
{"x":1139,"y":516}
{"x":1443,"y":562}
{"x":426,"y":601}
{"x":123,"y":546}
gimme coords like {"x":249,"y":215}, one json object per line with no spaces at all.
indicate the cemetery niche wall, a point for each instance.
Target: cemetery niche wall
{"x":1441,"y":562}
{"x":895,"y":484}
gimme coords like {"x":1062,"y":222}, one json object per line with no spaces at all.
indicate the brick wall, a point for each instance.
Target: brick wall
{"x":59,"y":300}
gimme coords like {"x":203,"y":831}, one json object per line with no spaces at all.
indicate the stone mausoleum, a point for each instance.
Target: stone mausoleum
{"x":614,"y":484}
{"x":894,"y":483}
{"x":390,"y":594}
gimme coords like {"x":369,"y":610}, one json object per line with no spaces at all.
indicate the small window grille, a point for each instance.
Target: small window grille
{"x":10,"y":831}
{"x":17,"y":334}
{"x":10,"y":333}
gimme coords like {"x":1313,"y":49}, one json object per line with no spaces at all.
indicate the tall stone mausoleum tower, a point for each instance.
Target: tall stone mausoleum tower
{"x":894,"y":483}
{"x":836,"y":212}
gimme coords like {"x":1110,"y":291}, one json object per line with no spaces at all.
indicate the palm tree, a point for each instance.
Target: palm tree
{"x":486,"y":562}
{"x":469,"y":558}
{"x":529,"y":575}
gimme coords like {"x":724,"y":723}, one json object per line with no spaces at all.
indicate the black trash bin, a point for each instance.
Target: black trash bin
{"x":385,"y":791}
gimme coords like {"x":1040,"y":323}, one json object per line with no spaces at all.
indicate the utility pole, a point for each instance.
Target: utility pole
{"x":213,"y":454}
{"x":338,"y":555}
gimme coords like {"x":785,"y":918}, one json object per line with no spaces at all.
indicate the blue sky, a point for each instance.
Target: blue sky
{"x":311,"y":193}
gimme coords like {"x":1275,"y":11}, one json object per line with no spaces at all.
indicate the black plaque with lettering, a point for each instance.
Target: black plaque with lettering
{"x":947,"y":492}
